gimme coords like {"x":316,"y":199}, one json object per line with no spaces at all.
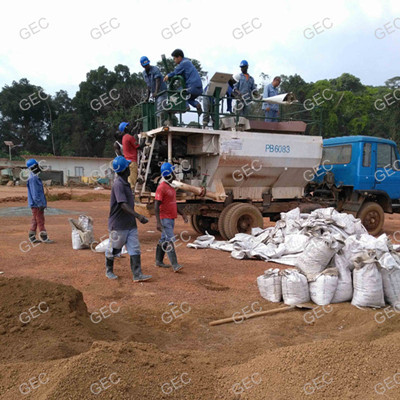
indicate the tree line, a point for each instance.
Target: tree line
{"x":85,"y":124}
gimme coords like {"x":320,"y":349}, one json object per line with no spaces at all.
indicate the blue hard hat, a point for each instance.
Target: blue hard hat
{"x":244,"y":63}
{"x":167,"y":169}
{"x":122,"y":126}
{"x":31,"y":162}
{"x":120,"y":163}
{"x":144,"y":61}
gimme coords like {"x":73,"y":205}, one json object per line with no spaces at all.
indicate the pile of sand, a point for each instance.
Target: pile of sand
{"x":74,"y":354}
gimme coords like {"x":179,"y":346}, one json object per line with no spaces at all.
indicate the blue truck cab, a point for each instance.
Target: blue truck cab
{"x":361,"y":174}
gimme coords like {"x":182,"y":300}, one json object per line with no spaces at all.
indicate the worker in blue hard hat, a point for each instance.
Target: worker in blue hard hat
{"x":122,"y":223}
{"x":166,"y":212}
{"x":185,"y":68}
{"x":245,"y":89}
{"x":155,"y":84}
{"x":130,"y":146}
{"x":37,"y":202}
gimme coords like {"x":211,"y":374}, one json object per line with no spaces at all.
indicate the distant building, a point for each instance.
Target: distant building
{"x":78,"y":169}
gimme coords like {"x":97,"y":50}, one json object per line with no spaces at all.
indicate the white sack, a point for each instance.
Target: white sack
{"x":270,"y":285}
{"x":294,"y":287}
{"x":76,"y":240}
{"x":324,"y":287}
{"x":367,"y":282}
{"x":344,"y":290}
{"x":391,"y":278}
{"x":315,"y":258}
{"x":102,"y":247}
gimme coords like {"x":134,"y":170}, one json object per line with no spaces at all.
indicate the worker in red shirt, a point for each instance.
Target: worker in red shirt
{"x":166,"y":213}
{"x":130,"y":144}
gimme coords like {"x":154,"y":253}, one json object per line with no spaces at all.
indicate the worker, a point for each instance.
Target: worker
{"x":166,"y":213}
{"x":244,"y":88}
{"x":37,"y":202}
{"x":185,"y":68}
{"x":208,"y":102}
{"x":122,"y":223}
{"x":271,"y":110}
{"x":130,"y":145}
{"x":155,"y":84}
{"x":118,"y":144}
{"x":229,"y":95}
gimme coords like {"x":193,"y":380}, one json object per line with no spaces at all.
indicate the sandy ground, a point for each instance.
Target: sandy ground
{"x":158,"y":342}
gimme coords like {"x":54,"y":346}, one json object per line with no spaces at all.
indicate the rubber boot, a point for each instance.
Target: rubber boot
{"x":136,"y":268}
{"x":160,"y":257}
{"x":172,"y":257}
{"x":110,"y":269}
{"x":44,"y":238}
{"x":32,"y":237}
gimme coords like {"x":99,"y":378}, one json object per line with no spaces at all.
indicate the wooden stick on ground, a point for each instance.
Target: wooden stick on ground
{"x":261,"y":313}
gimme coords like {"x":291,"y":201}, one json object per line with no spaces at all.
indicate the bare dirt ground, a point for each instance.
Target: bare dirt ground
{"x":154,"y":341}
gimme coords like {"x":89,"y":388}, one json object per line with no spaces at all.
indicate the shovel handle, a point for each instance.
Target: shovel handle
{"x":253,"y":315}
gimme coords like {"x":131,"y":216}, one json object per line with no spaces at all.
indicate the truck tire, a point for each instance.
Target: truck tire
{"x":201,"y":224}
{"x":193,"y":222}
{"x":241,"y":218}
{"x":372,"y":217}
{"x":221,"y":220}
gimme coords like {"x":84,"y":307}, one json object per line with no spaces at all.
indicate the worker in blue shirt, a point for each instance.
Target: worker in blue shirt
{"x":271,"y":110}
{"x":188,"y":71}
{"x":155,"y":84}
{"x":245,"y":89}
{"x":37,"y":202}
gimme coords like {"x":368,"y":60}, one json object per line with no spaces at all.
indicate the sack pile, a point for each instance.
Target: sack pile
{"x":332,"y":251}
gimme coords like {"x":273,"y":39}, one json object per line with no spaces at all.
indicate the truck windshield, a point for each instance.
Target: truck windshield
{"x":336,"y":154}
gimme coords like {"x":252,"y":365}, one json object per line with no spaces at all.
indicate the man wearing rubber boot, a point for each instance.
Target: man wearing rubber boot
{"x":37,"y":202}
{"x":166,"y":213}
{"x":122,"y":223}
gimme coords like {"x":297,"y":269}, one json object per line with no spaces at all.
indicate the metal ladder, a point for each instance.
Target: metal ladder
{"x":145,"y":162}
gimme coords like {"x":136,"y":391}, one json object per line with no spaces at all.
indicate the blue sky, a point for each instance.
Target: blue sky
{"x":54,"y":44}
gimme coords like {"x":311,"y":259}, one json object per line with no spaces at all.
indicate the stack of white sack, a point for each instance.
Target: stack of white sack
{"x":367,"y":268}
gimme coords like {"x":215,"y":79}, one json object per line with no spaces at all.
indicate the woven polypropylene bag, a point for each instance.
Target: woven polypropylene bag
{"x":324,"y":287}
{"x":270,"y":285}
{"x":294,"y":287}
{"x":344,"y":290}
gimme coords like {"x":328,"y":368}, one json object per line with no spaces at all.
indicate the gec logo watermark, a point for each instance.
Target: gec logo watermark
{"x":175,"y":28}
{"x":246,"y":28}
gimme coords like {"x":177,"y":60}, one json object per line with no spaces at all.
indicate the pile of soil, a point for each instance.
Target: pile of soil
{"x":41,"y":320}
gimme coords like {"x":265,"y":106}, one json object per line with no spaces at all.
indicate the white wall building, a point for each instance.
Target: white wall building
{"x":82,"y":167}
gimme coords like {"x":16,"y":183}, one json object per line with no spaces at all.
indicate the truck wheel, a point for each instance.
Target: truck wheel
{"x":241,"y":218}
{"x":372,"y":217}
{"x":221,"y":220}
{"x":193,"y":222}
{"x":204,"y":224}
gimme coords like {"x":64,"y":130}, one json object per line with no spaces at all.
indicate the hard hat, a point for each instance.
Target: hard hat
{"x":167,"y":169}
{"x":236,"y":77}
{"x":120,"y":163}
{"x":31,"y":162}
{"x":144,"y":61}
{"x":244,"y":63}
{"x":122,"y":126}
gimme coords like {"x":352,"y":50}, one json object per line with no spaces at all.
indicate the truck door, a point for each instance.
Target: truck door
{"x":387,"y":175}
{"x":366,"y":178}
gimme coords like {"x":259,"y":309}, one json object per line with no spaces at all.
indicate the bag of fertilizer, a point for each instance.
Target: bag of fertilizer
{"x":86,"y":223}
{"x":76,"y":240}
{"x":391,"y":278}
{"x":294,"y":287}
{"x":270,"y":285}
{"x":315,"y":257}
{"x":344,"y":290}
{"x":324,"y":287}
{"x":367,"y":282}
